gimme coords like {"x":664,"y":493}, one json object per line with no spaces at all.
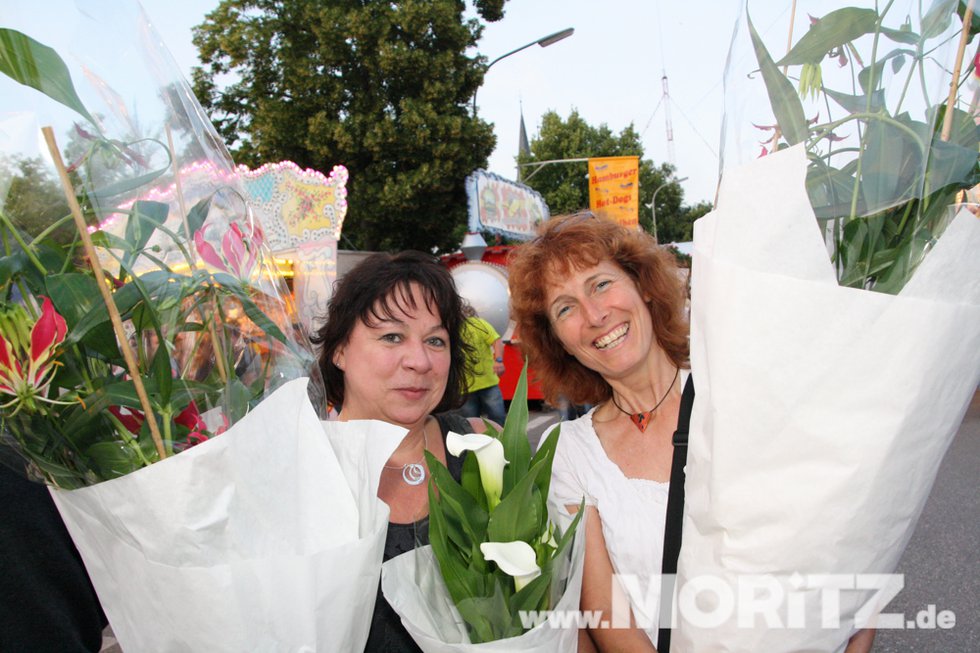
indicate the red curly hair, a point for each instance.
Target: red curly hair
{"x":578,"y":242}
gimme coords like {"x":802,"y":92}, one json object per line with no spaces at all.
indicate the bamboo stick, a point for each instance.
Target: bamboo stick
{"x":957,"y":66}
{"x":114,"y":316}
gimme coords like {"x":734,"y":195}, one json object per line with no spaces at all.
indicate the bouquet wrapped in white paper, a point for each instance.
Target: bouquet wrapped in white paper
{"x":414,"y":587}
{"x":835,"y":337}
{"x":502,"y":573}
{"x":821,"y":418}
{"x":267,"y":538}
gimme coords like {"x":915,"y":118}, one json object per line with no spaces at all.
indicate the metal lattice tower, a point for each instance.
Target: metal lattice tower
{"x":665,"y":100}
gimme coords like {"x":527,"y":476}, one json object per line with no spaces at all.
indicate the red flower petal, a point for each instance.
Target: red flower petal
{"x":48,"y":332}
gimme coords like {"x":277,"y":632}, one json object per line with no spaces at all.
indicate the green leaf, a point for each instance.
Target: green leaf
{"x":162,"y":372}
{"x":546,"y":454}
{"x":519,"y":516}
{"x":534,"y":595}
{"x":896,"y":57}
{"x":937,"y":19}
{"x":234,"y":287}
{"x":517,"y":448}
{"x":113,"y":459}
{"x":36,"y":65}
{"x":470,"y":480}
{"x":786,"y":105}
{"x":144,"y":219}
{"x":75,"y":296}
{"x":454,"y":573}
{"x":102,"y":195}
{"x":857,"y":103}
{"x":198,"y":214}
{"x":567,"y":537}
{"x":829,"y":33}
{"x":471,"y":516}
{"x":489,"y":617}
{"x":906,"y":36}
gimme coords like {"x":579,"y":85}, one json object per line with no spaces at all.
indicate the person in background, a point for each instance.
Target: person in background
{"x":392,"y":350}
{"x":483,"y":396}
{"x":47,"y":603}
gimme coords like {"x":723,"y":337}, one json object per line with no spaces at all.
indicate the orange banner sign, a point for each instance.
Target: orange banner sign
{"x":614,"y":189}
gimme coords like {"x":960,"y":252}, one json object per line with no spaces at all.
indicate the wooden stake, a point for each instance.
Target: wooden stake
{"x":957,"y":66}
{"x":100,"y":279}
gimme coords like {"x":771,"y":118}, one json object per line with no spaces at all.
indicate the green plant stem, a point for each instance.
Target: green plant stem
{"x":50,"y":228}
{"x":20,"y":241}
{"x":128,"y":439}
{"x":872,"y":83}
{"x":166,"y":413}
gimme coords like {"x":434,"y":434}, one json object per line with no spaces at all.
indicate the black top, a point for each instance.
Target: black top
{"x":387,"y":633}
{"x":47,"y":604}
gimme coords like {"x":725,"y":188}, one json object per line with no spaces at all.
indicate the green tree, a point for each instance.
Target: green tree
{"x":565,"y":186}
{"x":380,"y":87}
{"x":31,"y":198}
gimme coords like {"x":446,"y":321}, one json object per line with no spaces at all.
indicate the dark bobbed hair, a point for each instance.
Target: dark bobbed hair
{"x":578,"y":242}
{"x":370,"y":292}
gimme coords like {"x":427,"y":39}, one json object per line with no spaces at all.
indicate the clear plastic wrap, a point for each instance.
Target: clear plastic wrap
{"x":207,"y":318}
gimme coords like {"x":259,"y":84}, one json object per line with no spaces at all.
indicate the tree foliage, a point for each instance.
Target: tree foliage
{"x":380,"y":87}
{"x":565,"y":186}
{"x":31,"y":198}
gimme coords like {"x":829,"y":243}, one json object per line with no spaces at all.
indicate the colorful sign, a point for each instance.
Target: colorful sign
{"x":614,"y":189}
{"x":505,"y":207}
{"x":302,"y":211}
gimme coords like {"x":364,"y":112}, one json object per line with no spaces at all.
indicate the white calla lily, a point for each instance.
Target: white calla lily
{"x":515,"y":559}
{"x":489,"y":453}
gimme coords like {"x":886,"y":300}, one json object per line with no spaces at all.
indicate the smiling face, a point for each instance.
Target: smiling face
{"x":396,"y":366}
{"x":601,"y":319}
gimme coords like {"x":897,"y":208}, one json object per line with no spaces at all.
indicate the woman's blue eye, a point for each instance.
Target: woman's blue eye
{"x":562,"y":311}
{"x":437,"y":342}
{"x":602,"y":284}
{"x":392,"y":337}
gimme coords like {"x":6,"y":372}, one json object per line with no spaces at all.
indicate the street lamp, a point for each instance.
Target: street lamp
{"x":544,"y":42}
{"x":653,"y":203}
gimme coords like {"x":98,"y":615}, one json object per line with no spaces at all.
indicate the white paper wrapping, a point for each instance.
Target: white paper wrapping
{"x":266,"y":538}
{"x":822,"y":412}
{"x":413,"y":586}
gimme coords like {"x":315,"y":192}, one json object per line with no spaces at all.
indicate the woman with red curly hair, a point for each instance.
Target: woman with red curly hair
{"x":600,"y":310}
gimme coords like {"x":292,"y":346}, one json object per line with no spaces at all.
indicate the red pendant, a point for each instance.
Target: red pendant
{"x":642,"y":420}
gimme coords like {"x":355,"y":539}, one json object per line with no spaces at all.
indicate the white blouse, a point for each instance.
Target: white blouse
{"x":633,"y":511}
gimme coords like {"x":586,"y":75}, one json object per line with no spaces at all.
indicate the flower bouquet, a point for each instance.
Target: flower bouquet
{"x":824,"y":407}
{"x":497,"y":563}
{"x":151,"y":367}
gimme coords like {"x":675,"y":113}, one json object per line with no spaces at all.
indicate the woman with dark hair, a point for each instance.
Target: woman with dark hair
{"x":600,"y":310}
{"x":391,"y":349}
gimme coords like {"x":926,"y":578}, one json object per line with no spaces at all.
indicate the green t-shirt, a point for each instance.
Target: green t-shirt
{"x":480,"y":335}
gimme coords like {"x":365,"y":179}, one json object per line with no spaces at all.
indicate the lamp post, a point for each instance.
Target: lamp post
{"x":653,"y":203}
{"x":544,"y":42}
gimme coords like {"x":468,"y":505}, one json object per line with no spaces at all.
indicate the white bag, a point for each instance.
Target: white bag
{"x":821,"y":417}
{"x":266,"y":538}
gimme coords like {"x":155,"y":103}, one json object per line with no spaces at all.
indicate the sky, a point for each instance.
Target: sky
{"x":610,"y":71}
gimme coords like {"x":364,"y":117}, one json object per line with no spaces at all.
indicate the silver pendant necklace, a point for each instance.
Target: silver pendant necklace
{"x":414,"y":473}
